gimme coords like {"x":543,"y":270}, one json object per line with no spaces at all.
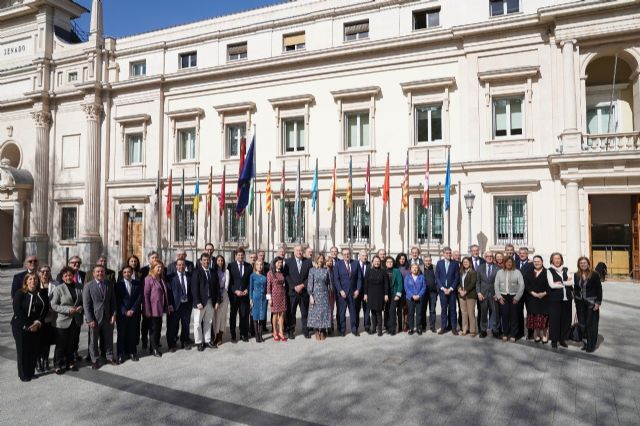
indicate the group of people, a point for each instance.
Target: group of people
{"x":477,"y":295}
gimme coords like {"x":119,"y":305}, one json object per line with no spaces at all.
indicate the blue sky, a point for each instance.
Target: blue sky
{"x":125,"y":17}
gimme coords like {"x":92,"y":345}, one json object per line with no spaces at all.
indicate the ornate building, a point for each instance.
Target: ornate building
{"x":537,"y":102}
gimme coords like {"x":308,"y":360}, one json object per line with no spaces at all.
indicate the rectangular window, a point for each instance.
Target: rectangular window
{"x":426,"y":18}
{"x":186,"y":144}
{"x":429,"y":222}
{"x":428,"y":123}
{"x":138,"y":68}
{"x":188,"y":60}
{"x":602,"y":119}
{"x":294,"y":222}
{"x":237,"y":51}
{"x":69,"y":223}
{"x":235,"y":133}
{"x":73,"y":76}
{"x":356,"y":129}
{"x":357,"y":222}
{"x":293,"y":134}
{"x":293,"y":42}
{"x":236,"y":228}
{"x":356,"y":30}
{"x":503,"y":7}
{"x":134,"y":148}
{"x":507,"y":117}
{"x":511,"y":220}
{"x":185,"y":229}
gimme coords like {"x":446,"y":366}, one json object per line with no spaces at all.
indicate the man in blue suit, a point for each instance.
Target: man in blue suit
{"x":128,"y":306}
{"x":182,"y":302}
{"x":348,"y":286}
{"x":447,"y":277}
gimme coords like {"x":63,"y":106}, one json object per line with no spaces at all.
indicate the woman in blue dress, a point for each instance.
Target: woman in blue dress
{"x":318,"y":286}
{"x":258,"y":298}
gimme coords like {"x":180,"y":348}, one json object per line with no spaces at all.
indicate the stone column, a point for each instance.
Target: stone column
{"x":17,"y":236}
{"x":90,"y":240}
{"x":38,"y":240}
{"x":571,"y":137}
{"x":573,"y":227}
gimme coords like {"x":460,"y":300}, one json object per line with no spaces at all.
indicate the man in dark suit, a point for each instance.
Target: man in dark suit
{"x":297,"y":274}
{"x":476,"y":259}
{"x":210,"y":249}
{"x":510,"y":251}
{"x":99,"y":305}
{"x":348,"y":284}
{"x":239,"y":273}
{"x":129,"y":305}
{"x":145,"y":325}
{"x":430,"y":295}
{"x":109,"y":274}
{"x":485,"y":289}
{"x":31,"y":266}
{"x":205,"y":293}
{"x":415,"y":259}
{"x":363,"y":268}
{"x":525,"y":266}
{"x":171,"y":268}
{"x":182,"y":301}
{"x":447,"y":277}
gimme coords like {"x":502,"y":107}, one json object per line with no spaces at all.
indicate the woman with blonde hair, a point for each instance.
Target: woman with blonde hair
{"x":156,"y":304}
{"x":318,"y":287}
{"x":560,"y":298}
{"x":509,"y":288}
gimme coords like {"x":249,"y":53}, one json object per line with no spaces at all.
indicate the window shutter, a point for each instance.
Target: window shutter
{"x":237,"y":49}
{"x":294,"y":39}
{"x":356,"y":27}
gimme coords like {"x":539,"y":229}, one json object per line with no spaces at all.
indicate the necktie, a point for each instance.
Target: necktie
{"x":241,"y":269}
{"x":101,"y":287}
{"x":128,"y":284}
{"x":488,"y":270}
{"x":75,"y":278}
{"x":184,"y":287}
{"x":206,"y":271}
{"x":348,"y":267}
{"x":299,"y":262}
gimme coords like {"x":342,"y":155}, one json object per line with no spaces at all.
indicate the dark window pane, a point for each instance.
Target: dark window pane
{"x":513,"y":6}
{"x":436,"y":124}
{"x":419,"y":20}
{"x":496,"y":7}
{"x":434,"y":18}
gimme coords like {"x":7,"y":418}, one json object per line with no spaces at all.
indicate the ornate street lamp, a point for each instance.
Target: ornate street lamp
{"x":132,"y":218}
{"x":469,"y":197}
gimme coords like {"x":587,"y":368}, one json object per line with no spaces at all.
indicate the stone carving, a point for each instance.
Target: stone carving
{"x":42,"y":118}
{"x":6,"y":179}
{"x":92,"y":111}
{"x":9,"y":131}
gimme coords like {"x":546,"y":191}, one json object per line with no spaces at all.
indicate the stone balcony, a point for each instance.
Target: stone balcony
{"x":611,"y":142}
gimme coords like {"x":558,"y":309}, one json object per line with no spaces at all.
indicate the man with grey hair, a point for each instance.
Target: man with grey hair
{"x":382,"y":254}
{"x":364,"y":268}
{"x":296,"y":276}
{"x":180,"y":255}
{"x":476,"y":260}
{"x":485,"y":289}
{"x":30,"y":267}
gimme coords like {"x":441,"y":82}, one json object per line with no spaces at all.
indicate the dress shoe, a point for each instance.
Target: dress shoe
{"x":72,"y":367}
{"x":292,"y":335}
{"x":495,"y":335}
{"x":95,"y":366}
{"x":419,"y":332}
{"x":554,"y":345}
{"x":455,"y":332}
{"x":392,"y":333}
{"x":563,"y":344}
{"x":86,"y":358}
{"x":483,"y":334}
{"x":369,"y":332}
{"x":433,"y":329}
{"x":356,"y":334}
{"x":59,"y":371}
{"x":25,"y":379}
{"x":200,"y":347}
{"x":379,"y":333}
{"x":145,"y":344}
{"x":210,"y":345}
{"x":442,"y":331}
{"x":112,"y":362}
{"x":120,"y":359}
{"x":172,"y":349}
{"x":134,"y":357}
{"x":157,"y":353}
{"x":411,"y":332}
{"x":244,"y":338}
{"x":307,"y":335}
{"x":186,"y":346}
{"x":342,"y":334}
{"x":590,"y":351}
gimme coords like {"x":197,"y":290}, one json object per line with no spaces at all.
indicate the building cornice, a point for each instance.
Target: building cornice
{"x":507,"y":74}
{"x":355,"y":93}
{"x":427,"y":85}
{"x":292,"y":100}
{"x":235,"y":107}
{"x":511,"y":185}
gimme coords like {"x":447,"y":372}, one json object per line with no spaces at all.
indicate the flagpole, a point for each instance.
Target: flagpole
{"x":169,"y":216}
{"x":283,"y":202}
{"x":441,"y":207}
{"x":408,"y":225}
{"x":388,"y":245}
{"x":221,"y":206}
{"x":449,"y":209}
{"x":269,"y":220}
{"x":429,"y":230}
{"x":183,"y":225}
{"x":349,"y":210}
{"x":368,"y":195}
{"x":317,"y":235}
{"x":196,"y":214}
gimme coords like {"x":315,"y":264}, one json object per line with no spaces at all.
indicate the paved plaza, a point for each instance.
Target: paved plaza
{"x":402,"y":380}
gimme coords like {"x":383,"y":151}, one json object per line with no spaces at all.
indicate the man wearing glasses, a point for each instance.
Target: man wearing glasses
{"x":30,"y":266}
{"x":79,"y":277}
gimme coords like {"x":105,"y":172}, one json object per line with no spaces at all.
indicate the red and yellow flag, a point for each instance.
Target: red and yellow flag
{"x":332,"y":198}
{"x":405,"y":186}
{"x":269,"y":195}
{"x":169,"y":196}
{"x":385,"y":186}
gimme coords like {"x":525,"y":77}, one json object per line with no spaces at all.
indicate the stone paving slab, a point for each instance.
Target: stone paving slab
{"x":408,"y":380}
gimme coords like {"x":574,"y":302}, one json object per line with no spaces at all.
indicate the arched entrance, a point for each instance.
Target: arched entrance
{"x":15,"y":192}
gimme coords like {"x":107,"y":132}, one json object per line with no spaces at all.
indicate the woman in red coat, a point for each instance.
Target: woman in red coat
{"x":156,"y":303}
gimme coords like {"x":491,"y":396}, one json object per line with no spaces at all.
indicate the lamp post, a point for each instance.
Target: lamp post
{"x":132,"y":217}
{"x":469,"y":197}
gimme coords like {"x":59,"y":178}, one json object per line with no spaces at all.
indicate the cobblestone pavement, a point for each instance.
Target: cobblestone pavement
{"x":370,"y":380}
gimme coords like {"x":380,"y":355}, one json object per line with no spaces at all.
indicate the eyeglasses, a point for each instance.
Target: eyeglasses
{"x":75,"y":263}
{"x":32,"y":260}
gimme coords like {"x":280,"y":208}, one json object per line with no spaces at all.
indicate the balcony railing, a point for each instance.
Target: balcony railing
{"x":611,"y":142}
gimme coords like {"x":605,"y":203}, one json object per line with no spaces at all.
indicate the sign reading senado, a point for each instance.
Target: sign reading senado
{"x":14,"y":49}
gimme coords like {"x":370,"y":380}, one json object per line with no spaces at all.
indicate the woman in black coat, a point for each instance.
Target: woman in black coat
{"x":30,"y":307}
{"x":376,"y":293}
{"x":587,"y":289}
{"x":536,"y":286}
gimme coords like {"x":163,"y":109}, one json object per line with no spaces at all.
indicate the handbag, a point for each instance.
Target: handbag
{"x":576,"y":332}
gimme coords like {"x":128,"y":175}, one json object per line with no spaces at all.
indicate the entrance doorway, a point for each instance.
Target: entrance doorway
{"x":6,"y":230}
{"x":134,"y":235}
{"x":615,"y":233}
